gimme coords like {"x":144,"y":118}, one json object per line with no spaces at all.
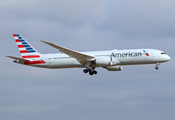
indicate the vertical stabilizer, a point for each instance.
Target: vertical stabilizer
{"x":26,"y":50}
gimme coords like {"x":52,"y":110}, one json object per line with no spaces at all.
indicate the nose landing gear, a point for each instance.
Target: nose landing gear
{"x":157,"y":66}
{"x":91,"y":71}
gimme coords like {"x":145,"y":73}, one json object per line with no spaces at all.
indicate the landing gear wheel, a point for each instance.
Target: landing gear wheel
{"x":85,"y":70}
{"x":156,"y":68}
{"x":90,"y":73}
{"x":94,"y":72}
{"x":89,"y":70}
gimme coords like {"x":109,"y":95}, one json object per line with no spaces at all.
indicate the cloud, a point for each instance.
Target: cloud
{"x":137,"y":92}
{"x":133,"y":19}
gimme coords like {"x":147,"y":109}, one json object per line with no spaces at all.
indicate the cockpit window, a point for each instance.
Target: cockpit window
{"x":163,"y":53}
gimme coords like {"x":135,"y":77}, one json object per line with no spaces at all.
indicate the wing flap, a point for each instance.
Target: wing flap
{"x":81,"y":57}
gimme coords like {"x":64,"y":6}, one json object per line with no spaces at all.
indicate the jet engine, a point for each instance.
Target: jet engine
{"x":114,"y":68}
{"x":106,"y":61}
{"x":103,"y":61}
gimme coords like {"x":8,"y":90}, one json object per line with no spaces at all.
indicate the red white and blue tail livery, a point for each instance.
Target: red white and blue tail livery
{"x":29,"y":54}
{"x":112,"y":60}
{"x":26,"y":50}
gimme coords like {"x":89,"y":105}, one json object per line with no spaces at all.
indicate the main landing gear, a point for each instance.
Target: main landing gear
{"x":91,"y":71}
{"x":157,"y":66}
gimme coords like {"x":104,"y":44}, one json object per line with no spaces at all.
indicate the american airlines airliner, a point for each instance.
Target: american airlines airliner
{"x":112,"y":60}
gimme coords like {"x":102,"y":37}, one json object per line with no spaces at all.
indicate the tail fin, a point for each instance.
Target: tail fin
{"x":26,"y":50}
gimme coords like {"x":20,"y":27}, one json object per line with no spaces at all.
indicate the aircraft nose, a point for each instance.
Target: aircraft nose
{"x":167,"y":58}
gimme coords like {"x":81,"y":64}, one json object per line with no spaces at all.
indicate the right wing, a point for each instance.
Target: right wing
{"x":20,"y":59}
{"x":83,"y":59}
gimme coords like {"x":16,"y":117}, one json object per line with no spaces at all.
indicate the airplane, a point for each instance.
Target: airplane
{"x":112,"y":60}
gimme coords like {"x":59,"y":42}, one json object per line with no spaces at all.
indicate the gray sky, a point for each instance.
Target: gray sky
{"x":135,"y":93}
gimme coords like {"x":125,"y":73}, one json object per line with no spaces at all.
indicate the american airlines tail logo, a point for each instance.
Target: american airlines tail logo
{"x":129,"y":54}
{"x":27,"y":51}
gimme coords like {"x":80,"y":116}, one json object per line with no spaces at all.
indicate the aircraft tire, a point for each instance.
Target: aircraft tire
{"x":85,"y":70}
{"x":95,"y":72}
{"x":156,"y":68}
{"x":90,"y":73}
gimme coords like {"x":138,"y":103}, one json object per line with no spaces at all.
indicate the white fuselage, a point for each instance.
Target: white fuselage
{"x":120,"y":57}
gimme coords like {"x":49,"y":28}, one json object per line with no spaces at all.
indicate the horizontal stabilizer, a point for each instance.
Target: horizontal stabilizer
{"x":20,"y":59}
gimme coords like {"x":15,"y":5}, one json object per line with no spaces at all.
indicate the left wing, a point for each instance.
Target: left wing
{"x":83,"y":59}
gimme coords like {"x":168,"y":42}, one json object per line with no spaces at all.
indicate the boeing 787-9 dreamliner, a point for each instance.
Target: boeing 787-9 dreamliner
{"x":112,"y":60}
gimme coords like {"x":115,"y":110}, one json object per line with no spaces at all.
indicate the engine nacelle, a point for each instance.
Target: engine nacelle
{"x":103,"y":61}
{"x":106,"y":61}
{"x":114,"y":68}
